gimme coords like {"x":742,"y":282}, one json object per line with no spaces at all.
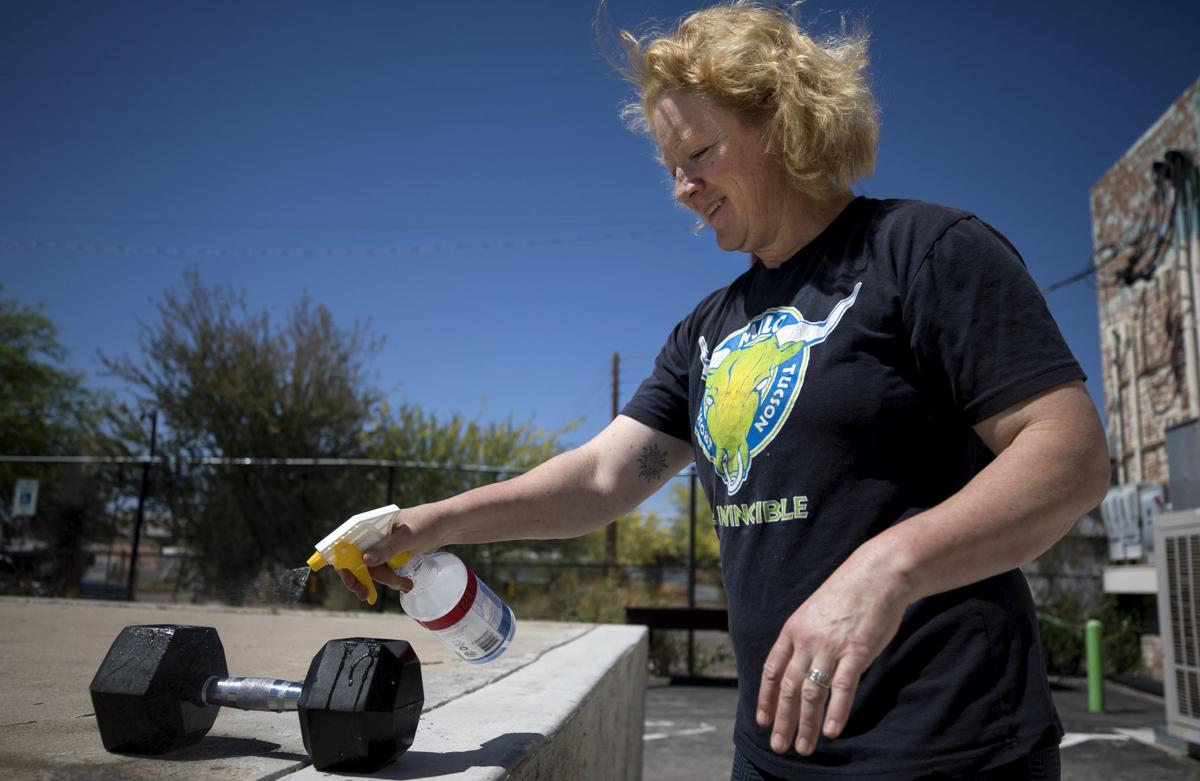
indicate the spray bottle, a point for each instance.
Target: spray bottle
{"x":446,"y":597}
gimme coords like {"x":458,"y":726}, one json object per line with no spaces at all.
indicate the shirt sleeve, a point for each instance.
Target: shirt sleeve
{"x":661,"y":401}
{"x":981,"y":333}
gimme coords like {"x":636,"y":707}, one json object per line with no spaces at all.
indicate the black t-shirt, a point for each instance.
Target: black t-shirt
{"x":835,"y":396}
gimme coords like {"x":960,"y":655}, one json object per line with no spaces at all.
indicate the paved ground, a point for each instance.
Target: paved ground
{"x":688,"y":732}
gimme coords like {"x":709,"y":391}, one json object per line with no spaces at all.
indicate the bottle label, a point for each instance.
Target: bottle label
{"x":477,"y":625}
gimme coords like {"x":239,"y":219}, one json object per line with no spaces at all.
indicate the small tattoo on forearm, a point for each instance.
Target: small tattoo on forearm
{"x":651,"y":463}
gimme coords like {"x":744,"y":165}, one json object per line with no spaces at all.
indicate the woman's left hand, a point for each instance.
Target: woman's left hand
{"x":839,"y":631}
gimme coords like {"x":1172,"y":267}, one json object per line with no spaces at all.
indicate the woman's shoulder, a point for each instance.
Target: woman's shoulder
{"x":909,"y":228}
{"x":918,"y":215}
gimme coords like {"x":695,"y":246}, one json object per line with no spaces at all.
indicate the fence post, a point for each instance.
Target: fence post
{"x":1094,"y":645}
{"x":137,"y":523}
{"x":381,"y":603}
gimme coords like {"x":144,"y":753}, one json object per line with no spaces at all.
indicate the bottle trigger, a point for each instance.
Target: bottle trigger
{"x":347,"y":556}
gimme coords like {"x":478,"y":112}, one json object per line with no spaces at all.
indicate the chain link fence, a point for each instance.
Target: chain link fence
{"x":94,"y":518}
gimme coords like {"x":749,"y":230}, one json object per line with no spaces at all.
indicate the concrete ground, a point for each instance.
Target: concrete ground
{"x":688,"y":731}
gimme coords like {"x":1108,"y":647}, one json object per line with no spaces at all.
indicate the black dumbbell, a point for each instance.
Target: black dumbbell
{"x":160,"y":686}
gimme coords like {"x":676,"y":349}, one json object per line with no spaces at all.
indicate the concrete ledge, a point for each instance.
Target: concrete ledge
{"x":577,"y":713}
{"x":565,"y":701}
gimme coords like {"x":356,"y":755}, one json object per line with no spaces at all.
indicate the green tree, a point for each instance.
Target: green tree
{"x":46,"y":410}
{"x":643,"y":540}
{"x":458,"y":446}
{"x":229,"y":382}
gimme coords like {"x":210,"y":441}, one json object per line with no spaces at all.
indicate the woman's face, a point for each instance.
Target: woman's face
{"x":723,"y":172}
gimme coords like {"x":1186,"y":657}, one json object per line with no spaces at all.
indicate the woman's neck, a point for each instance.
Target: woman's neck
{"x":804,"y":220}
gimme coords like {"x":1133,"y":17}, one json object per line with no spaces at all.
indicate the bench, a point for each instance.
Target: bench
{"x":679,"y":617}
{"x":689,"y":618}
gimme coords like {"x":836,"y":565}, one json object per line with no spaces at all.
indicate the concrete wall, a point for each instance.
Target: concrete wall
{"x":576,"y":714}
{"x":602,"y":739}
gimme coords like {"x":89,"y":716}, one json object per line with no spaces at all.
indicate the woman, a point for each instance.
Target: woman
{"x":882,"y":413}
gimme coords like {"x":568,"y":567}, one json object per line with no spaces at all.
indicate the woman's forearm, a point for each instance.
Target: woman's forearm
{"x":568,"y":496}
{"x":560,"y":498}
{"x":1053,"y":471}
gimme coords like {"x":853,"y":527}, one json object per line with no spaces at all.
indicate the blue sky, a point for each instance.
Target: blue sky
{"x":458,"y":173}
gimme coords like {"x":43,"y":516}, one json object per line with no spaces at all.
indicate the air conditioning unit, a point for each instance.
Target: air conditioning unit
{"x":1177,"y":542}
{"x":1128,"y":512}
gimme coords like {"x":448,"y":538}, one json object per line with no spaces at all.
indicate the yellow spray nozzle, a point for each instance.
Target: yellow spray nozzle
{"x":347,"y":555}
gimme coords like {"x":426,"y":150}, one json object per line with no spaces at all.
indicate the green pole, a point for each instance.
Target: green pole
{"x":1094,"y":643}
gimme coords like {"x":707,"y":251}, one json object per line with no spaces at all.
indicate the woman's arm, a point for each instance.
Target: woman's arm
{"x":567,"y":496}
{"x":1051,"y":466}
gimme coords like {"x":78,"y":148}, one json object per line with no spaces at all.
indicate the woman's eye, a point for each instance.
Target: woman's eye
{"x":700,"y":153}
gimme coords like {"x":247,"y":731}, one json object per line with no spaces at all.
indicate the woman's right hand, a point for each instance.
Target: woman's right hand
{"x":407,"y":534}
{"x":381,"y":574}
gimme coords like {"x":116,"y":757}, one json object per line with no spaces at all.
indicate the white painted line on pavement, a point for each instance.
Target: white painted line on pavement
{"x":1075,"y":738}
{"x":703,"y":728}
{"x":1141,"y":735}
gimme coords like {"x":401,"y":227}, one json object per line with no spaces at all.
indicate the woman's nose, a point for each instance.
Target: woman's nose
{"x":685,"y":186}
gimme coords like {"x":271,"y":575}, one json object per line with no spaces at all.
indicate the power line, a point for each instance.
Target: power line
{"x":399,"y":56}
{"x":292,"y":252}
{"x":364,"y":226}
{"x":1087,"y":272}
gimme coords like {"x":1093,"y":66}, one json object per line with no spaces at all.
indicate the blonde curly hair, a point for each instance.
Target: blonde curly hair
{"x":812,"y":98}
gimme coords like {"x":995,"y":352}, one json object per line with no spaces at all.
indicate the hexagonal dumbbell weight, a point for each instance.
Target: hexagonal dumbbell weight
{"x":160,"y":686}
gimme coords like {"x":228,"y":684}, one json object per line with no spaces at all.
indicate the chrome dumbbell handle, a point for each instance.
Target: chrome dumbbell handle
{"x":253,"y":693}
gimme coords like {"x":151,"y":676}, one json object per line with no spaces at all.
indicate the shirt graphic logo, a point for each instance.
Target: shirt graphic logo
{"x":750,"y":385}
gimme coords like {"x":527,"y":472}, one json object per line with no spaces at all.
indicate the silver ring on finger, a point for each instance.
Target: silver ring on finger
{"x":821,"y":679}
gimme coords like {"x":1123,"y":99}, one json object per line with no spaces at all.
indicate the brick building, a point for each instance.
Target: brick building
{"x":1144,"y":233}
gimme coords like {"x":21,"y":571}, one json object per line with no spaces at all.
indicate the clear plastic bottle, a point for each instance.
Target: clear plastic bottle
{"x":458,"y":607}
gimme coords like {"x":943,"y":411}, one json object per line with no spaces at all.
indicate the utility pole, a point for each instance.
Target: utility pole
{"x":610,"y":534}
{"x":137,"y":523}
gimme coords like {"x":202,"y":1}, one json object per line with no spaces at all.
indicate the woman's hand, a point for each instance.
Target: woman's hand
{"x":839,"y":630}
{"x":409,"y":533}
{"x":382,"y":574}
